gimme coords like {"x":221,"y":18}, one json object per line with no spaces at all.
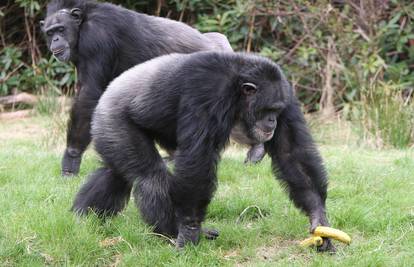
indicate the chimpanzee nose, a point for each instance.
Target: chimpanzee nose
{"x":55,"y":39}
{"x":271,"y":123}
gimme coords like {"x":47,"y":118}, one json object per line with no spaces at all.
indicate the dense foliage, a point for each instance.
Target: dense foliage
{"x":339,"y":54}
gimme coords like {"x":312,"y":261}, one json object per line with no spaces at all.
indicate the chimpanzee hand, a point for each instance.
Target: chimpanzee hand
{"x":210,"y":233}
{"x":188,"y":233}
{"x":320,"y":220}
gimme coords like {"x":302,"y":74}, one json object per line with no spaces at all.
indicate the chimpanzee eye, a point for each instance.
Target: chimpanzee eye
{"x":49,"y":33}
{"x":249,"y":88}
{"x":61,"y":29}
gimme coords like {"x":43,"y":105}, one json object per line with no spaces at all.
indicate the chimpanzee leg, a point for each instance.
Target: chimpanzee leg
{"x":152,"y":197}
{"x":132,"y":153}
{"x":106,"y":193}
{"x":129,"y":156}
{"x":78,"y":133}
{"x":297,"y":163}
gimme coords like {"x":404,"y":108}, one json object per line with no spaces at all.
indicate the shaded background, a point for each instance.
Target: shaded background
{"x":354,"y":58}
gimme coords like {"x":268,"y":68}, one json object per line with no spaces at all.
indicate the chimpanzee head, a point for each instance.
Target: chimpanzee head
{"x":61,"y":29}
{"x":265,"y":92}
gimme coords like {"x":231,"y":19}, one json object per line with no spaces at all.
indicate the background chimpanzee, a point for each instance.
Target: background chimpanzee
{"x":190,"y":103}
{"x":103,"y":40}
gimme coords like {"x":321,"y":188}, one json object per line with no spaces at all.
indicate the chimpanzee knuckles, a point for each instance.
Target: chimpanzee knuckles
{"x":188,"y":234}
{"x":210,"y":234}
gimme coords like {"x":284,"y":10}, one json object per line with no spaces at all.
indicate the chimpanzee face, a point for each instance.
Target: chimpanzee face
{"x":265,"y":93}
{"x":61,"y":30}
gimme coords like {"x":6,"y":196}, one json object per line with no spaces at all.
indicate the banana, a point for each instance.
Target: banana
{"x":333,"y":233}
{"x":312,"y":241}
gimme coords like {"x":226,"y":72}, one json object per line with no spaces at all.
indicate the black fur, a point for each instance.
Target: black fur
{"x":190,"y":103}
{"x":112,"y":193}
{"x":103,"y":40}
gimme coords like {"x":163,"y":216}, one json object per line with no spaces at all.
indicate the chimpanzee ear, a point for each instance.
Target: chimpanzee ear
{"x":42,"y":24}
{"x":76,"y":14}
{"x":249,"y":89}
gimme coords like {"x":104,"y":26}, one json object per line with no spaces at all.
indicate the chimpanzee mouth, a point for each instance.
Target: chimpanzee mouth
{"x":261,"y":135}
{"x":58,"y":52}
{"x":62,"y":54}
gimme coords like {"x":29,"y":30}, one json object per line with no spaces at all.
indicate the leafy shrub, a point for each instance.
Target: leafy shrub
{"x":47,"y":74}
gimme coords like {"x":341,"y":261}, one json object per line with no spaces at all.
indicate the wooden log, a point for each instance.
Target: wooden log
{"x":24,"y":98}
{"x":15,"y":114}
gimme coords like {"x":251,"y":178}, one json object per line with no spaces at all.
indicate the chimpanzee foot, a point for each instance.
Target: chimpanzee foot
{"x":71,"y":162}
{"x":188,"y":234}
{"x":209,"y":233}
{"x":255,"y":154}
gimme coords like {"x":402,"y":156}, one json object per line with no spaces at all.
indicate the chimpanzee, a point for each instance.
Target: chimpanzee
{"x":103,"y":40}
{"x":190,"y":103}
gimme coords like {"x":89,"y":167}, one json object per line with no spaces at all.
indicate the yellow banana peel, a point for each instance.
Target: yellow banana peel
{"x":312,"y":241}
{"x":333,"y":233}
{"x":328,"y":232}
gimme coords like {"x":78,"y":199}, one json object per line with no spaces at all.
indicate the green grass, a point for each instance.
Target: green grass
{"x":371,"y":197}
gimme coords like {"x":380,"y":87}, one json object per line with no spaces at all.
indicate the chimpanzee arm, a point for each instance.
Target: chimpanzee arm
{"x":297,"y":163}
{"x":92,"y":83}
{"x":200,"y":140}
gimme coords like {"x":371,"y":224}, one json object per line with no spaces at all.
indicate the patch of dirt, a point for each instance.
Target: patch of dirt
{"x":231,"y":254}
{"x":276,"y":249}
{"x":117,"y":260}
{"x":108,"y":242}
{"x":21,"y":128}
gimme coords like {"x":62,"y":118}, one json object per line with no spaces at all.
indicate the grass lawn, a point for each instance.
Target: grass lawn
{"x":371,"y":197}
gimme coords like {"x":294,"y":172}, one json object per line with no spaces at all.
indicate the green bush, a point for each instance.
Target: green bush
{"x":10,"y":63}
{"x":387,"y":116}
{"x":47,"y":74}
